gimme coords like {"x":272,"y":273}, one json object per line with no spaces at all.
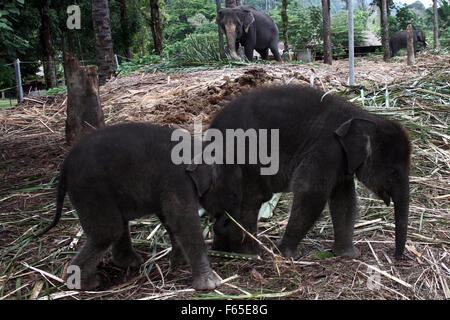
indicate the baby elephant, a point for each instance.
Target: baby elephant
{"x":324,"y":143}
{"x":123,"y":172}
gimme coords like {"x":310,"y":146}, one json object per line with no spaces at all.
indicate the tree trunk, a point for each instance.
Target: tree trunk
{"x":126,"y":40}
{"x":155,"y":25}
{"x":84,"y":112}
{"x":410,"y":45}
{"x":327,"y":51}
{"x":230,"y":3}
{"x":384,"y":24}
{"x":47,"y":49}
{"x":103,"y":39}
{"x":284,"y":19}
{"x":435,"y":25}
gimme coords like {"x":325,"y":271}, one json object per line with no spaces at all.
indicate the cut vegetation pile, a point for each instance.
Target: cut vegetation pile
{"x":32,"y":146}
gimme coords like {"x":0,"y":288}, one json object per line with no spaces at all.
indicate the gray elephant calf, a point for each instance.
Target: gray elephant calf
{"x":123,"y":172}
{"x":324,"y":141}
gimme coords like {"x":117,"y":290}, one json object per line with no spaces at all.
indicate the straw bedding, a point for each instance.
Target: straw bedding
{"x":32,"y":146}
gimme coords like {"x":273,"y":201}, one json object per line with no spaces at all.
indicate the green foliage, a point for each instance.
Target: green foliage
{"x":304,"y":25}
{"x":339,"y":29}
{"x":193,"y":53}
{"x":405,"y":15}
{"x":184,"y":16}
{"x":18,"y":39}
{"x":197,"y":49}
{"x":124,"y":33}
{"x":53,"y":91}
{"x":443,"y":20}
{"x":323,"y":255}
{"x":129,"y":67}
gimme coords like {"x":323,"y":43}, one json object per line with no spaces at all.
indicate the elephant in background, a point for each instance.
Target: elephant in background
{"x":253,"y":29}
{"x":399,"y":41}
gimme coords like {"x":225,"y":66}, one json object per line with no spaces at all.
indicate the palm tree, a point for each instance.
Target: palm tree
{"x":327,"y":53}
{"x":155,"y":25}
{"x":435,"y":25}
{"x":103,"y":39}
{"x":232,"y":3}
{"x":284,"y":24}
{"x":47,"y":47}
{"x":384,"y":24}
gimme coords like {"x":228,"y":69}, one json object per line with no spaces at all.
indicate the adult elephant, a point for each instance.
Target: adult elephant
{"x":253,"y":29}
{"x":399,"y":41}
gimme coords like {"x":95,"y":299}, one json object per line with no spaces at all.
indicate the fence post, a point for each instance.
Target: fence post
{"x":18,"y":80}
{"x":410,"y":46}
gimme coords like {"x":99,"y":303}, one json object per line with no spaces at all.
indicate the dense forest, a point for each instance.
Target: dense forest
{"x":38,"y":31}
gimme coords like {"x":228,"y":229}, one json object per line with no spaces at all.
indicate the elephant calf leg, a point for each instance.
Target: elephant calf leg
{"x":87,"y":260}
{"x":342,"y":205}
{"x":184,"y":226}
{"x":123,"y":254}
{"x":306,"y":209}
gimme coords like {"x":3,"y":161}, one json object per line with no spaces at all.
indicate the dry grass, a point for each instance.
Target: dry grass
{"x":33,"y":146}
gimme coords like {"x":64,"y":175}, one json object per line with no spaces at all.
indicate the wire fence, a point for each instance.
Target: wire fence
{"x":18,"y":88}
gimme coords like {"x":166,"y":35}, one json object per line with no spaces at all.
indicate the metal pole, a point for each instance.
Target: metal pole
{"x":351,"y":48}
{"x":117,"y":61}
{"x":18,"y":80}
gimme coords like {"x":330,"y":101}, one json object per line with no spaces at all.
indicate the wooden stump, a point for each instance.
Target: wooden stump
{"x":410,"y":46}
{"x":84,"y":111}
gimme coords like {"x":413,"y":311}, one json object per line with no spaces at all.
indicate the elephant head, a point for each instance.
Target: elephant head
{"x":235,"y":23}
{"x":379,"y":153}
{"x":218,"y":187}
{"x":421,"y":37}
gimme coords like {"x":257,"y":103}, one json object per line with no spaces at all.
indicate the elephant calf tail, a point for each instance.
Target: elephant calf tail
{"x":61,"y":192}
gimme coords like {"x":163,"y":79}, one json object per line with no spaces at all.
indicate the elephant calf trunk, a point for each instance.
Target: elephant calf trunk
{"x":401,"y":210}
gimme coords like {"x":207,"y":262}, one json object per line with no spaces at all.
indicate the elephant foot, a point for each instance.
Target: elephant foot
{"x":131,"y":259}
{"x":87,"y":282}
{"x":206,"y":281}
{"x":349,"y":252}
{"x":289,"y":252}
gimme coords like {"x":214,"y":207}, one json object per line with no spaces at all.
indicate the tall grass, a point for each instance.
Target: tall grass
{"x":196,"y":52}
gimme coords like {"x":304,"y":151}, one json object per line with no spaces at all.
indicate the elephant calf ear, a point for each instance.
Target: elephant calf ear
{"x":203,"y":176}
{"x":354,"y":136}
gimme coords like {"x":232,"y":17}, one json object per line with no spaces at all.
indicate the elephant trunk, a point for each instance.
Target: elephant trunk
{"x":230,"y":30}
{"x":401,"y":210}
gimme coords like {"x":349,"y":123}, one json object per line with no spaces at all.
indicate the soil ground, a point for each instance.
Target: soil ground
{"x":32,"y":146}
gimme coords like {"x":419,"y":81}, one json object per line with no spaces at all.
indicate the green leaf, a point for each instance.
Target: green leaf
{"x":324,"y":255}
